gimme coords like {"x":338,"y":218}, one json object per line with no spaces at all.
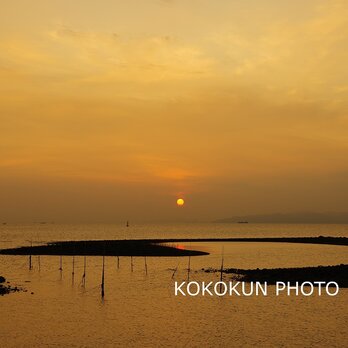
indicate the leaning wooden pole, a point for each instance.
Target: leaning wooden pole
{"x":145,"y":266}
{"x":189,"y":268}
{"x":131,"y":263}
{"x":175,"y":270}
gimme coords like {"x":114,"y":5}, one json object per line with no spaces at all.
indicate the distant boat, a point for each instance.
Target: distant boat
{"x":243,"y":222}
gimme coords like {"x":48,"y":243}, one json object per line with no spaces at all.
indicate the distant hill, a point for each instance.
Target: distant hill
{"x":302,"y":217}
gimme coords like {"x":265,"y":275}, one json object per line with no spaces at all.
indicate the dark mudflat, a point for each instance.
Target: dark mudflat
{"x":104,"y":247}
{"x":338,"y":274}
{"x":305,"y":240}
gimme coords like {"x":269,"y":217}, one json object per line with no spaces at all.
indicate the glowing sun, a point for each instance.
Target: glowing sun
{"x":180,"y":202}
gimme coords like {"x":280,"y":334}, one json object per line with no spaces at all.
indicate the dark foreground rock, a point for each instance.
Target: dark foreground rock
{"x":338,"y":274}
{"x":6,"y":289}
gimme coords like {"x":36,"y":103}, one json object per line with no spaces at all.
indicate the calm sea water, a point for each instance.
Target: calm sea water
{"x":141,"y":310}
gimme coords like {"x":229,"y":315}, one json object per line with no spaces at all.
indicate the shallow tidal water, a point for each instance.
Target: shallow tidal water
{"x":141,"y":310}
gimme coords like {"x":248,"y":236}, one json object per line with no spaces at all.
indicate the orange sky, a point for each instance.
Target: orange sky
{"x":110,"y":110}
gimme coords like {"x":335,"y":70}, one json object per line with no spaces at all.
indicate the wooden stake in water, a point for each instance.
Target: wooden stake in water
{"x":84,"y":271}
{"x":145,"y":266}
{"x":222,"y":268}
{"x":189,"y":268}
{"x":30,"y":264}
{"x":73,"y":269}
{"x":61,"y":266}
{"x":39,"y":262}
{"x":131,"y":263}
{"x":103,"y":278}
{"x":60,"y":262}
{"x":118,"y":262}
